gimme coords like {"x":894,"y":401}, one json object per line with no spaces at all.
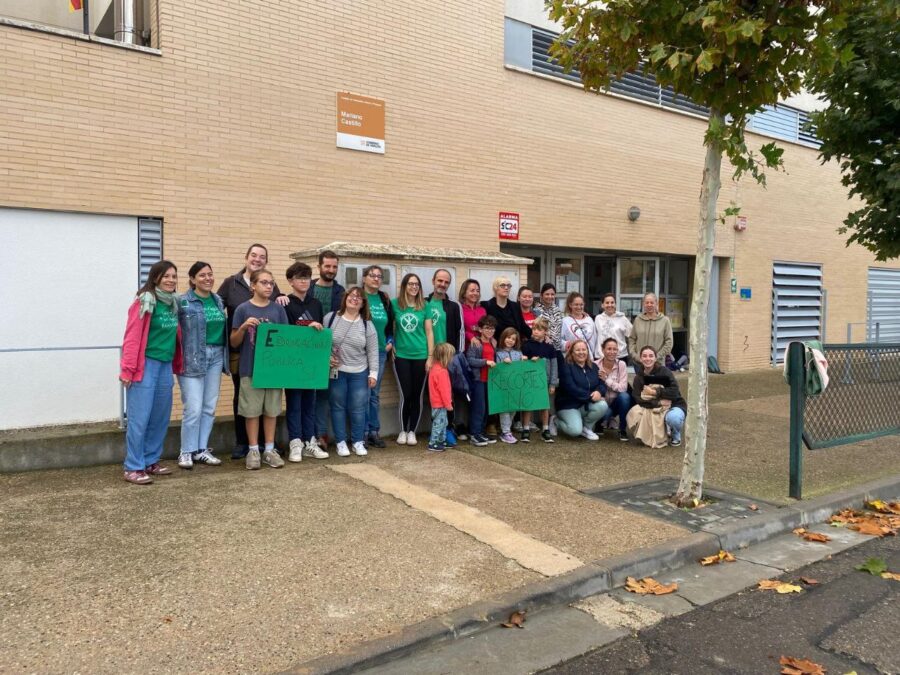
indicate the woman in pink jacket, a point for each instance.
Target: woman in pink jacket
{"x":151,"y":352}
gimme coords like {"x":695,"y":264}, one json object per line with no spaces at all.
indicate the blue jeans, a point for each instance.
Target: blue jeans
{"x":675,"y":422}
{"x":620,"y":406}
{"x":438,"y":426}
{"x":477,"y":408}
{"x":148,"y":407}
{"x":199,"y":396}
{"x":300,"y":413}
{"x":373,"y":423}
{"x":574,"y":420}
{"x":349,"y":392}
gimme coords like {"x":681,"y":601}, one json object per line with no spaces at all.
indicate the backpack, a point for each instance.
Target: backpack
{"x":461,"y":378}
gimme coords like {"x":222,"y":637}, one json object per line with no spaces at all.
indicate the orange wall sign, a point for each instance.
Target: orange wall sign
{"x":360,"y":122}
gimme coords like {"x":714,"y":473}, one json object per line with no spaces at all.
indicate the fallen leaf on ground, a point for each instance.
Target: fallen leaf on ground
{"x":874,"y":566}
{"x":890,"y":575}
{"x":872,"y":528}
{"x":167,"y":619}
{"x":816,"y":536}
{"x":516,"y":620}
{"x":778,"y":586}
{"x":721,"y":556}
{"x":753,"y":507}
{"x":794,"y":666}
{"x":649,"y":586}
{"x":885,"y":507}
{"x":808,"y":581}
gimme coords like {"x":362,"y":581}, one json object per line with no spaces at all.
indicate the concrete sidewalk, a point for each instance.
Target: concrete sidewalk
{"x":223,"y":570}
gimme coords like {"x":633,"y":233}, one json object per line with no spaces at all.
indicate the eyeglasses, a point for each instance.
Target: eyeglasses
{"x":354,"y":298}
{"x":266,"y":282}
{"x":372,"y":275}
{"x":413,"y":283}
{"x":489,"y":329}
{"x":504,"y":285}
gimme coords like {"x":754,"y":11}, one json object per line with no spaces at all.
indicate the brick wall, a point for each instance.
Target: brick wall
{"x":229,"y":136}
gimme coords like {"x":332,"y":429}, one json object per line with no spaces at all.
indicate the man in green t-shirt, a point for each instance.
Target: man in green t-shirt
{"x":382,"y":313}
{"x":445,"y":314}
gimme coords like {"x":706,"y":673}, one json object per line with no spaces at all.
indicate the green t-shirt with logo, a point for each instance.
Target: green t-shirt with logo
{"x":323,"y":294}
{"x":379,"y":318}
{"x":215,"y":321}
{"x":409,"y":332}
{"x":162,"y":335}
{"x":438,"y":318}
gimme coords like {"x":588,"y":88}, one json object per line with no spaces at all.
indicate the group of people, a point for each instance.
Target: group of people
{"x":433,"y":342}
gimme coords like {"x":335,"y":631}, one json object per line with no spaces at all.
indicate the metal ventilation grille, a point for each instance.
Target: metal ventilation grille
{"x":883,"y":306}
{"x":150,"y":245}
{"x":796,"y":305}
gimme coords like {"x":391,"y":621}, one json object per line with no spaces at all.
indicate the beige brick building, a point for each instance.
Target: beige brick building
{"x":223,"y":129}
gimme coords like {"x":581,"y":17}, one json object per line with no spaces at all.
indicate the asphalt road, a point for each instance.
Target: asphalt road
{"x":848,"y":622}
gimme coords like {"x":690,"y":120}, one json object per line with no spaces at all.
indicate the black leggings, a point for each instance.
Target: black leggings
{"x":411,"y":382}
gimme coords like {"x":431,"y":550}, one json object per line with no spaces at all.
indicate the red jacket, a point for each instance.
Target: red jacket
{"x":135,"y":344}
{"x":439,"y":392}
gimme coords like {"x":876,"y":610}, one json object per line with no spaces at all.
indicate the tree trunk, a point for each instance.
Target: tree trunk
{"x":690,"y":489}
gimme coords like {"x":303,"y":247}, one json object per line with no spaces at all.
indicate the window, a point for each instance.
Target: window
{"x":126,"y":21}
{"x":150,"y":245}
{"x":528,"y":47}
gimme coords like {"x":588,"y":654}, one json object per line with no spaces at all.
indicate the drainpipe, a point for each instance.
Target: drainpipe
{"x":123,"y":16}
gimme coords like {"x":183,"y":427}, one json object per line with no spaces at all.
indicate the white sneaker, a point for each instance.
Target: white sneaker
{"x":296,"y":450}
{"x":206,"y":457}
{"x":186,"y":460}
{"x":551,"y":427}
{"x":410,"y":438}
{"x":401,"y":439}
{"x":590,"y":435}
{"x":342,"y":449}
{"x":360,"y":449}
{"x":313,"y":450}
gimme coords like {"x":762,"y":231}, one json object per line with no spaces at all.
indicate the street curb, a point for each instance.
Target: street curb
{"x":593,"y":578}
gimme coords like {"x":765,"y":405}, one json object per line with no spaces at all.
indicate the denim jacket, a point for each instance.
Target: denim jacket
{"x":193,"y":334}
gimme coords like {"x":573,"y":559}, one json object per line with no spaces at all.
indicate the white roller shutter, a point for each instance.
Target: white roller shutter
{"x":883,"y":307}
{"x":796,"y":305}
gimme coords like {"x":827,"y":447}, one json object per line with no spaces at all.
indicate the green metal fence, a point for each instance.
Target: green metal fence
{"x":862,"y":400}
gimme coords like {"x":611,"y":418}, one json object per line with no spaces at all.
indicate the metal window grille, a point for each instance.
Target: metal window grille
{"x":883,"y":306}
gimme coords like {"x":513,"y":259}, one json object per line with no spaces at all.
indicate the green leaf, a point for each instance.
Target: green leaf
{"x":626,"y":32}
{"x":747,"y":28}
{"x":657,"y":52}
{"x":674,"y":61}
{"x":874,"y":566}
{"x":708,"y":22}
{"x":732,"y":211}
{"x":704,"y":62}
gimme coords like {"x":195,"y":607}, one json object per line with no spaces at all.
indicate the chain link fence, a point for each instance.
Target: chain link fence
{"x":862,"y":399}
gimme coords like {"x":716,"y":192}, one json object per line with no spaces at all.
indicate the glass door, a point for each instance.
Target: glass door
{"x":635,"y":277}
{"x":567,"y":276}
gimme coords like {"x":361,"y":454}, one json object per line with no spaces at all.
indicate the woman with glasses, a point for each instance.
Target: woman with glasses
{"x":413,"y":346}
{"x":578,"y":325}
{"x":354,"y":346}
{"x":506,"y":311}
{"x":255,"y":402}
{"x":382,"y":313}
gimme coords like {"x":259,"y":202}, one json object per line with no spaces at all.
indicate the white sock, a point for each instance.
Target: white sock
{"x":254,"y":447}
{"x":270,"y":447}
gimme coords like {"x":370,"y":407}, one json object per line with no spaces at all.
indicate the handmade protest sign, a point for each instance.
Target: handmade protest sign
{"x":291,"y":357}
{"x":520,"y":385}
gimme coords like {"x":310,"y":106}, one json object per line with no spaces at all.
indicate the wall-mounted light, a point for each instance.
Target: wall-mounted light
{"x":634,"y":213}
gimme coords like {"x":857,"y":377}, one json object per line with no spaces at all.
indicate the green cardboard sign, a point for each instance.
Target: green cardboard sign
{"x":291,"y":357}
{"x":520,"y":385}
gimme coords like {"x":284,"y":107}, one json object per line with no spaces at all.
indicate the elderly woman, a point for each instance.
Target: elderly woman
{"x":506,"y":311}
{"x":580,"y":401}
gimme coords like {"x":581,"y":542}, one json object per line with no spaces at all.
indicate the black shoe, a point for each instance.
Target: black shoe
{"x":240,"y":451}
{"x":376,"y":441}
{"x":546,"y":437}
{"x":623,"y":435}
{"x":526,"y":436}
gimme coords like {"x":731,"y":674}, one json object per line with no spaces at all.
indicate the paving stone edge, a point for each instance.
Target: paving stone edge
{"x":595,"y":577}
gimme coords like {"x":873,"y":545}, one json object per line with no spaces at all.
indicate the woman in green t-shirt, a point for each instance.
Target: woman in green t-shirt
{"x":413,"y":345}
{"x":201,"y":315}
{"x":151,"y":352}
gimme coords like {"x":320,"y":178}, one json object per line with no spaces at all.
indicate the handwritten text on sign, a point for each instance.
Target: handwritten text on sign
{"x":521,"y":385}
{"x":291,"y":357}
